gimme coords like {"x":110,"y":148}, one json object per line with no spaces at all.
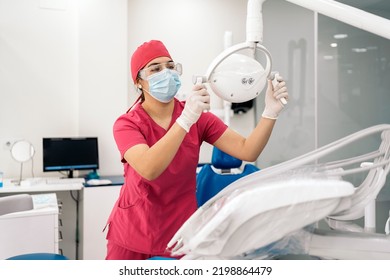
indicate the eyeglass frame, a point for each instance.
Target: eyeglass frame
{"x":176,"y":67}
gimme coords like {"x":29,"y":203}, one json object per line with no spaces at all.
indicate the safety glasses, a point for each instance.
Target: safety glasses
{"x":155,"y":68}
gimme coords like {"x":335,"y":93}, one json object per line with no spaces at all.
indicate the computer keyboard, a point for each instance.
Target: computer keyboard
{"x":28,"y":182}
{"x":62,"y":181}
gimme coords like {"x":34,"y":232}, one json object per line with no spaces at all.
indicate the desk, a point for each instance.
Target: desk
{"x":41,"y":188}
{"x":96,"y":205}
{"x":115,"y":181}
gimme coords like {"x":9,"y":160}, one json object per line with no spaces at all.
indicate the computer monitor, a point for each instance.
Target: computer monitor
{"x":69,"y":154}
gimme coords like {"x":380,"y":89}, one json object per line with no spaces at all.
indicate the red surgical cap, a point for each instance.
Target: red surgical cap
{"x":146,"y":53}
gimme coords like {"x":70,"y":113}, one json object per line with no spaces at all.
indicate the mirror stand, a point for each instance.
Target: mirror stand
{"x":22,"y":151}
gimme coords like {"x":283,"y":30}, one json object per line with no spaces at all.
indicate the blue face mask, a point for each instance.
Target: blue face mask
{"x":164,"y":85}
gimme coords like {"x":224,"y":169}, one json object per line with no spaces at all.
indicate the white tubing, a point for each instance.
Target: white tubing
{"x":227,"y":112}
{"x":227,"y":40}
{"x":369,"y":217}
{"x":387,"y":225}
{"x":254,"y":21}
{"x":347,"y":14}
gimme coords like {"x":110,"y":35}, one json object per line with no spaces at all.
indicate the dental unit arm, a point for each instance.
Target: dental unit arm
{"x":254,"y":38}
{"x":350,"y":15}
{"x":239,"y":78}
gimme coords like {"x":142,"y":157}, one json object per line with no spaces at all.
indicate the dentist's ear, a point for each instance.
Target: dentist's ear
{"x":139,"y":88}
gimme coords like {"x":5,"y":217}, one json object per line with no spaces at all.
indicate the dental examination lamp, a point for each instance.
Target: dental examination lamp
{"x":236,"y":77}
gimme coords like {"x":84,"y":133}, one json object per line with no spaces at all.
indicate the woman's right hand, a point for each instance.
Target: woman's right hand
{"x":197,"y":102}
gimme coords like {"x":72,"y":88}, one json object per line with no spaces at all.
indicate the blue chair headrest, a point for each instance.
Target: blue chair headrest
{"x":39,"y":256}
{"x":222,"y":160}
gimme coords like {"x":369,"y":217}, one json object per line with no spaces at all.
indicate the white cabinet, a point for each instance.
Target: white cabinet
{"x":32,"y":231}
{"x":96,"y":205}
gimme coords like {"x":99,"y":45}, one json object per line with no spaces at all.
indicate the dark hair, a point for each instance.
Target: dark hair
{"x":142,"y":96}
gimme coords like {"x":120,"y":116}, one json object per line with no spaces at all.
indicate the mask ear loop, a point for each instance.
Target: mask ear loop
{"x":139,"y":91}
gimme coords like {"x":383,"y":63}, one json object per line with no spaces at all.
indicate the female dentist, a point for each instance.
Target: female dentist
{"x":159,"y":141}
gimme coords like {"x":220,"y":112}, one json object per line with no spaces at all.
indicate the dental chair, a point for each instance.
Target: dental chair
{"x":277,"y":210}
{"x":15,"y":203}
{"x":29,"y":227}
{"x":215,"y":176}
{"x":222,"y":171}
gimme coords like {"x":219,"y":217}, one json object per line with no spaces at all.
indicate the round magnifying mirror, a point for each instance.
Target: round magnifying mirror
{"x":22,"y":151}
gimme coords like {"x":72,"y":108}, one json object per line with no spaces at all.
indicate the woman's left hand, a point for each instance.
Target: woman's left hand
{"x":273,"y":99}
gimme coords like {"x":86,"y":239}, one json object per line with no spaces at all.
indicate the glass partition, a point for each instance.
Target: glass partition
{"x":338,"y":78}
{"x":353,"y":88}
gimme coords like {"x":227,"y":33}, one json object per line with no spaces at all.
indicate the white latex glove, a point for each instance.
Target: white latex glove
{"x":273,"y":104}
{"x":196,"y":103}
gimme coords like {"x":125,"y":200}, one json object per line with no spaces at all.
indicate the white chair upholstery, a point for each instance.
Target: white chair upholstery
{"x":29,"y":224}
{"x":15,"y":203}
{"x":265,"y":206}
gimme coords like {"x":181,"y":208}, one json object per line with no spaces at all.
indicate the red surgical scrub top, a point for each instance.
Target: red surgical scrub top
{"x":148,"y":213}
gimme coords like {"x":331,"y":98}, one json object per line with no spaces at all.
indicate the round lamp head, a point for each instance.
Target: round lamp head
{"x":238,"y":78}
